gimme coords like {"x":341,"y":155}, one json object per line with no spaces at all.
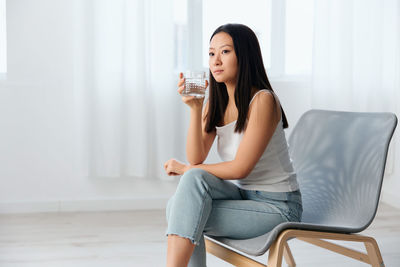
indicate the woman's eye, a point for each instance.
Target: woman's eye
{"x":211,"y":54}
{"x":225,"y":51}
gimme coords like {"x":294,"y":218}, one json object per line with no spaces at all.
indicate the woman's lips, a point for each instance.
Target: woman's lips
{"x":218,"y":71}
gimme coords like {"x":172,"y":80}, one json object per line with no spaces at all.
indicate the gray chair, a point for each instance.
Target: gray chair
{"x":340,"y":160}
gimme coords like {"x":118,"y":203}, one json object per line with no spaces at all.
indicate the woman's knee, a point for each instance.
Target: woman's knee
{"x":198,"y":180}
{"x":192,"y":177}
{"x":195,"y":172}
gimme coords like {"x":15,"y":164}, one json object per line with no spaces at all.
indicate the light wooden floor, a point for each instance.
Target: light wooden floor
{"x":136,"y":238}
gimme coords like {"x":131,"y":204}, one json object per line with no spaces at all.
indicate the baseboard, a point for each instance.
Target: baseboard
{"x":114,"y":205}
{"x":84,"y":205}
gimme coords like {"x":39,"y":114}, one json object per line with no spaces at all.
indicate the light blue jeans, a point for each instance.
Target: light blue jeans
{"x":206,"y":204}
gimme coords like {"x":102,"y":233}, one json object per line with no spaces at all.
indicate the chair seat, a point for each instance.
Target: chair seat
{"x":257,"y":246}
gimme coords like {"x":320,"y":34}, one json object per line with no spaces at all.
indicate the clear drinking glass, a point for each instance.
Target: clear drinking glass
{"x":195,"y":84}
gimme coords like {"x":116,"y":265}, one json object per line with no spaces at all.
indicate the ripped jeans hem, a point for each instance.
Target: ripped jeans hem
{"x":194,"y":242}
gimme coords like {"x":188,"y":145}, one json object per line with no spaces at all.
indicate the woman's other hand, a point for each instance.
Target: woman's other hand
{"x":174,"y":167}
{"x":191,"y":101}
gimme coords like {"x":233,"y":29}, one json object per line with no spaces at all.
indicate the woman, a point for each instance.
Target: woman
{"x":255,"y":187}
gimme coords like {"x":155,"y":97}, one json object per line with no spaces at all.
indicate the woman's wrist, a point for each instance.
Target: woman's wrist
{"x":187,"y":167}
{"x":196,"y":111}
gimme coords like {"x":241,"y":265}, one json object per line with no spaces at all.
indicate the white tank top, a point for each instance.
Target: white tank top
{"x":273,"y":172}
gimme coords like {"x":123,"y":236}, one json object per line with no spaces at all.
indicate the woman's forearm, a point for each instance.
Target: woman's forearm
{"x":227,"y":170}
{"x":194,"y":144}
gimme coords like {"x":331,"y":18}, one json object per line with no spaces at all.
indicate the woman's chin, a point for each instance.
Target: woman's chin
{"x":219,"y":80}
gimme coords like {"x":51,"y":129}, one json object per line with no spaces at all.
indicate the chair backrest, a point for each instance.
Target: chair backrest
{"x":340,"y":160}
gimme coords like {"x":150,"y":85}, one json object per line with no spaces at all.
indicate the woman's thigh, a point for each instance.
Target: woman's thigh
{"x":242,"y":219}
{"x":198,"y":181}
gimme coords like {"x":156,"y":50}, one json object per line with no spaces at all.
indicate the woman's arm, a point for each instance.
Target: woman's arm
{"x":198,"y":142}
{"x":264,"y":115}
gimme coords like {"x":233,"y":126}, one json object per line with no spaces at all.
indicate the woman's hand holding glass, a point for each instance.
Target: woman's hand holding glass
{"x":192,"y":101}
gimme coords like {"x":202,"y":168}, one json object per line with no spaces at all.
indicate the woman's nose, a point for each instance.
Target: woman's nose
{"x":217,"y":60}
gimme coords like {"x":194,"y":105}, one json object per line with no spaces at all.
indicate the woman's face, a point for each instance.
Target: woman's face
{"x":222,"y":58}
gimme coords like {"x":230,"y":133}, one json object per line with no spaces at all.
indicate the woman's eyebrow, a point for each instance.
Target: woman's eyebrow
{"x":221,"y":46}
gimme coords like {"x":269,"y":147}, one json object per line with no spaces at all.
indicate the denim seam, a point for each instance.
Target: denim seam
{"x":282,"y":214}
{"x":259,"y":211}
{"x":199,"y":217}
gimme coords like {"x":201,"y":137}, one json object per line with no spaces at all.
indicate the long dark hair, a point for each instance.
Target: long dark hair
{"x":251,"y":74}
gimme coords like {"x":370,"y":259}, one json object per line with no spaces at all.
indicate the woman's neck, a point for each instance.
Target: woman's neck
{"x":230,"y":88}
{"x":231,"y":109}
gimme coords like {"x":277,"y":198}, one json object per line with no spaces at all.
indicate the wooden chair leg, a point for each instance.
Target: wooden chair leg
{"x":287,"y":254}
{"x":374,"y":253}
{"x":280,"y":248}
{"x":372,"y":257}
{"x":276,"y":252}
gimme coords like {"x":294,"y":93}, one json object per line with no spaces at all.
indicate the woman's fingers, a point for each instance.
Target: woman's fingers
{"x":181,"y":79}
{"x":181,"y":83}
{"x":167,"y":164}
{"x":189,"y":100}
{"x":192,"y":101}
{"x":180,"y":89}
{"x":169,"y":168}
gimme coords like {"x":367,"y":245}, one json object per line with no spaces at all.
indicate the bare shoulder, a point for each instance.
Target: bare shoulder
{"x":265,"y":102}
{"x":264,"y":96}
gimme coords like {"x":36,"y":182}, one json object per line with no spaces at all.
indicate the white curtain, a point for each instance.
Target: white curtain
{"x":356,"y":55}
{"x":356,"y":60}
{"x":128,"y":110}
